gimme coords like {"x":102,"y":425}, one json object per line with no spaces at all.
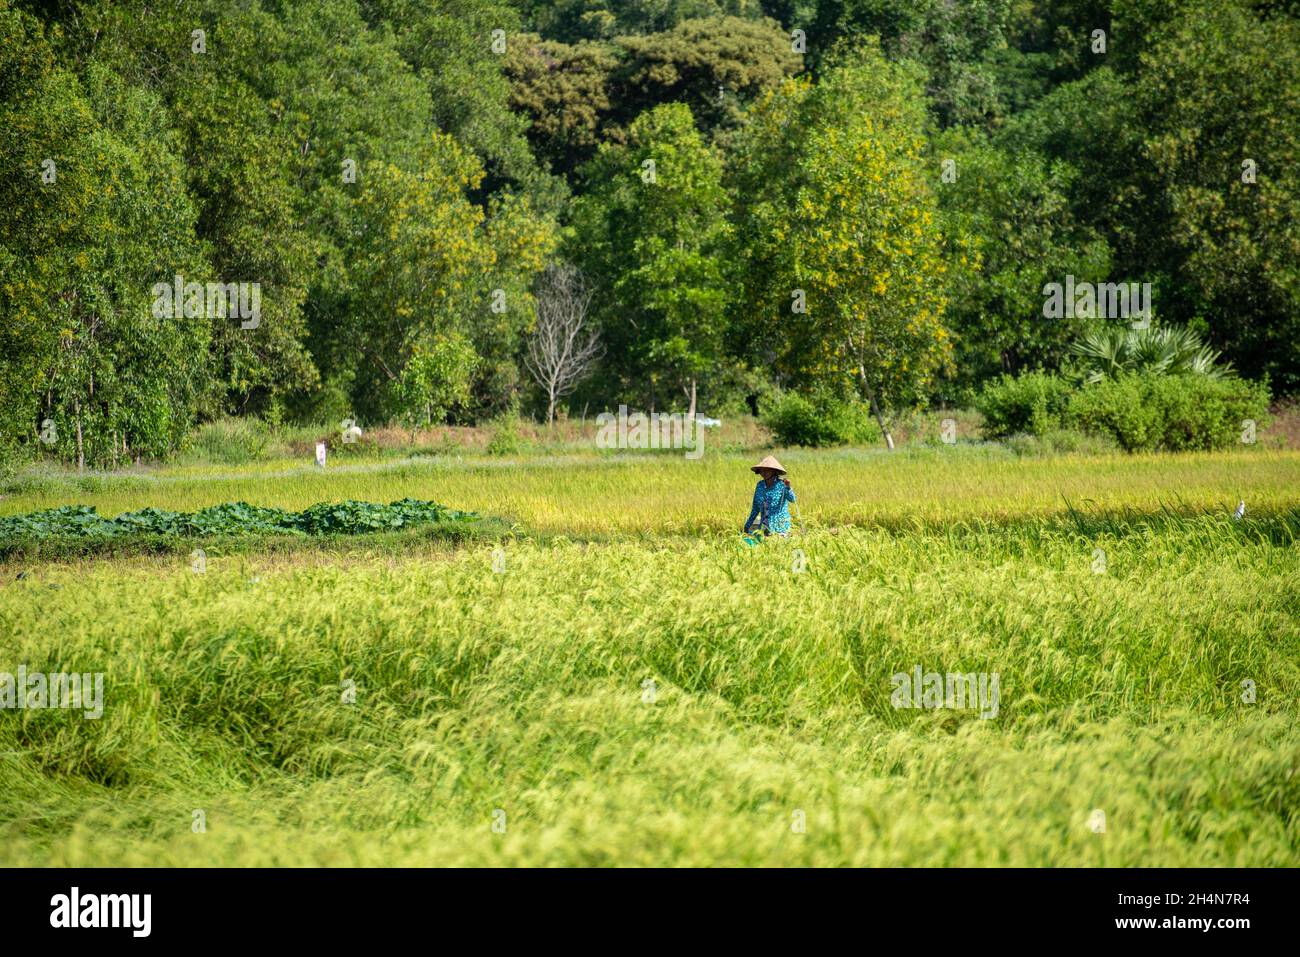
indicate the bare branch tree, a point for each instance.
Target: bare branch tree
{"x":564,"y":347}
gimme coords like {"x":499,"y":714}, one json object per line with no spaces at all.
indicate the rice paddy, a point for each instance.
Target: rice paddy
{"x":617,"y":680}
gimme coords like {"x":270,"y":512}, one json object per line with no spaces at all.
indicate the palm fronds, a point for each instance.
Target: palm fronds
{"x":1164,"y":350}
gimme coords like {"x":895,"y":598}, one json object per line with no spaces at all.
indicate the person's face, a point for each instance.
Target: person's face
{"x":768,"y":475}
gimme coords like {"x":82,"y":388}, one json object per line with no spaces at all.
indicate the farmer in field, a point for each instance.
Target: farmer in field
{"x":772,"y":496}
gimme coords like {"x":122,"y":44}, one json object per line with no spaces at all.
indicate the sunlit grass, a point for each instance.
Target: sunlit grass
{"x":666,"y":493}
{"x":627,"y":693}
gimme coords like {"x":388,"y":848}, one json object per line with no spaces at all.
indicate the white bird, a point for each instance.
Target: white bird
{"x":1241,"y":510}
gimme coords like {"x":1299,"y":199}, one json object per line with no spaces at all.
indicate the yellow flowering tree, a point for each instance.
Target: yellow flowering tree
{"x":429,"y":262}
{"x":840,"y":251}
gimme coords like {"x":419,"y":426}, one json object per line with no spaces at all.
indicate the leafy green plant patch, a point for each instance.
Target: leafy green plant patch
{"x":232,"y":518}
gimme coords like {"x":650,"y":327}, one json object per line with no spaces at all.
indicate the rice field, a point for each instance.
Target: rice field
{"x":664,"y":493}
{"x":620,"y":681}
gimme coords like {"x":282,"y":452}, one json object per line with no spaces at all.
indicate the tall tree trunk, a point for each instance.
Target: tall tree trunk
{"x":884,"y":429}
{"x":875,"y":409}
{"x":690,"y":415}
{"x":550,"y":408}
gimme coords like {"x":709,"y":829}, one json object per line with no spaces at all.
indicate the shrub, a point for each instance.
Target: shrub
{"x":1150,"y":412}
{"x":12,"y":455}
{"x":1061,"y":442}
{"x":436,"y":377}
{"x":819,"y":419}
{"x":1033,"y":403}
{"x":361,"y":446}
{"x":506,"y":439}
{"x":231,"y":441}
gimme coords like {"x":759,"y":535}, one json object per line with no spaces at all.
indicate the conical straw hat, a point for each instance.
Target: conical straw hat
{"x":768,"y":463}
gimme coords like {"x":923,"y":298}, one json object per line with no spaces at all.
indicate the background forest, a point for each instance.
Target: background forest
{"x":824,"y":212}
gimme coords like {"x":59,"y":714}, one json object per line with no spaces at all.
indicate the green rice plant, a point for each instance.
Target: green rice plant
{"x":674,"y":700}
{"x":617,"y":679}
{"x":602,"y":494}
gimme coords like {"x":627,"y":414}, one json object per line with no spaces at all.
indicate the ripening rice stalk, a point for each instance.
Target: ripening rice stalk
{"x":673,"y":699}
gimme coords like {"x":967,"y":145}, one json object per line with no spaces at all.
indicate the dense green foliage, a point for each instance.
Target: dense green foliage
{"x":818,"y":419}
{"x":1146,"y":412}
{"x":1142,"y":410}
{"x":1032,"y":403}
{"x":865,"y":196}
{"x":651,"y":233}
{"x":843,"y":278}
{"x":325,"y":518}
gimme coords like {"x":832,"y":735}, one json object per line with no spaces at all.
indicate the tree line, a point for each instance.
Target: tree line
{"x":461,"y":208}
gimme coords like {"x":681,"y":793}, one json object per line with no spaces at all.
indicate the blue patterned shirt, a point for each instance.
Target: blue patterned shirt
{"x":771,"y":507}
